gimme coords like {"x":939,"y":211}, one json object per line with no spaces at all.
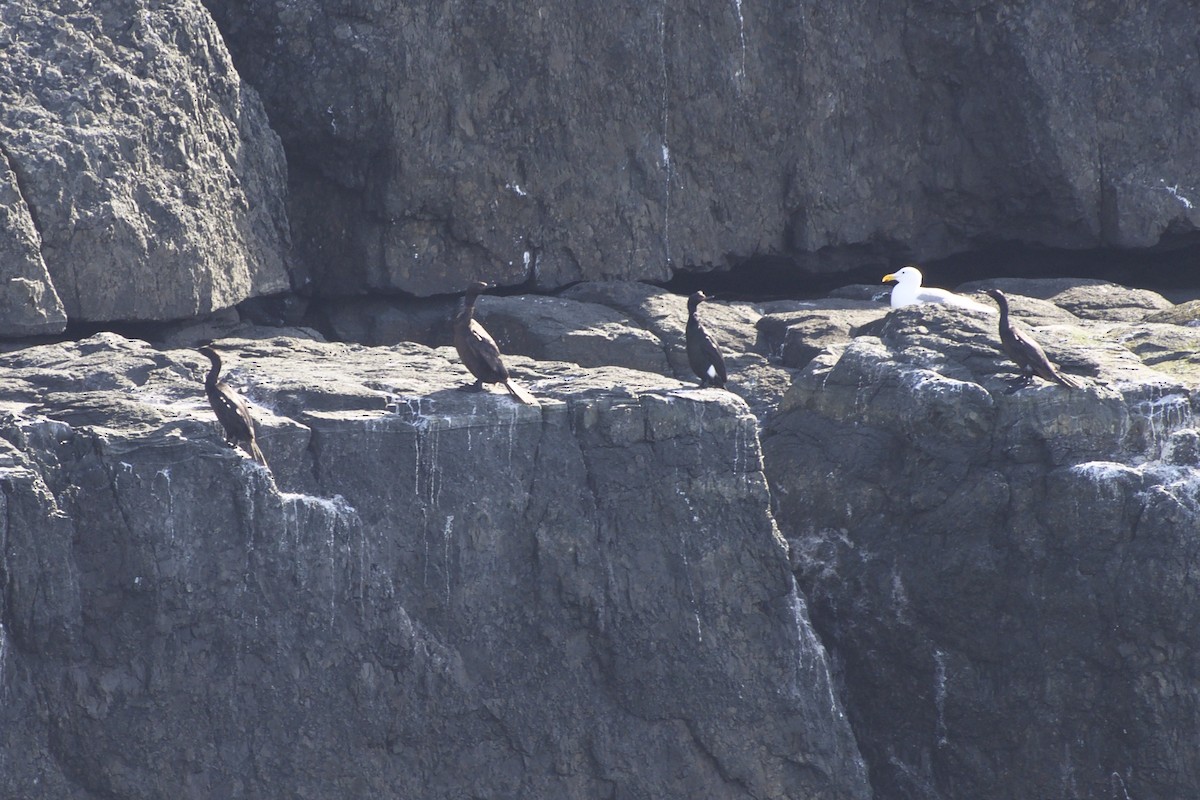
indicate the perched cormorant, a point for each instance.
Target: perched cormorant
{"x":479,"y":352}
{"x":703,"y":356}
{"x":908,"y":291}
{"x":230,"y":409}
{"x":1022,"y":349}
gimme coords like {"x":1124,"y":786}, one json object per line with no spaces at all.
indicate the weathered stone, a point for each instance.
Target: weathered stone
{"x":1174,"y":349}
{"x":798,"y":336}
{"x":1004,"y":574}
{"x":28,"y":303}
{"x":1030,"y":311}
{"x":226,"y":324}
{"x":732,"y":325}
{"x":375,"y":321}
{"x":866,"y":292}
{"x":438,"y":594}
{"x":661,"y":312}
{"x":557,"y":329}
{"x":655,"y":309}
{"x":1085,"y":298}
{"x":149,"y":170}
{"x":546,"y":144}
{"x":1183,"y":314}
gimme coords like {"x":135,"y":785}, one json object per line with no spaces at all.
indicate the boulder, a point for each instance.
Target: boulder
{"x":1183,"y":314}
{"x":753,"y":374}
{"x":797,"y":336}
{"x":1173,"y":349}
{"x":148,"y":183}
{"x":1085,"y":298}
{"x":558,"y":329}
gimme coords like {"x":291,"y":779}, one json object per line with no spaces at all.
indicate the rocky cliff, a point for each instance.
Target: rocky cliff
{"x":547,"y":143}
{"x":869,"y":571}
{"x":142,"y":178}
{"x":438,"y":594}
{"x":139,"y":178}
{"x":1008,"y":578}
{"x":442,"y":594}
{"x":1005,"y":577}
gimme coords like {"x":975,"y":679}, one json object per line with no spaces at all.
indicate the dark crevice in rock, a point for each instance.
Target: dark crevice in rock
{"x":1172,"y":268}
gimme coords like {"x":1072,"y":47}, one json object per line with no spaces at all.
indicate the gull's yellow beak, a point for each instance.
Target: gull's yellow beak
{"x":889,"y":277}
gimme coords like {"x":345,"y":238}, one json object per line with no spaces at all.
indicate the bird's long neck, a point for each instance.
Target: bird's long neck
{"x":211,"y":379}
{"x":1003,"y":303}
{"x":468,"y":307}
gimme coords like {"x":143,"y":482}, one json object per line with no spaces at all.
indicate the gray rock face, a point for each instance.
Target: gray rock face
{"x":28,"y":303}
{"x":529,"y":144}
{"x":1006,"y":576}
{"x":441,"y":593}
{"x":799,"y":335}
{"x":1083,"y":298}
{"x":527,"y":141}
{"x":613,"y":323}
{"x":553,"y":329}
{"x":147,"y":169}
{"x":452,"y":596}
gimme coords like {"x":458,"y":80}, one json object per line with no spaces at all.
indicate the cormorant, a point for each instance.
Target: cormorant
{"x":703,"y":356}
{"x":908,"y":291}
{"x":231,"y":409}
{"x":479,"y":352}
{"x":1025,"y":352}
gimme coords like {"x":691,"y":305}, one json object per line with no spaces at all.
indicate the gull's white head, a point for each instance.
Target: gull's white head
{"x":905,"y":276}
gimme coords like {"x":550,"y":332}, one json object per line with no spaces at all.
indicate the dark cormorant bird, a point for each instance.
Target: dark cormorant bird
{"x":1027,"y":353}
{"x":479,"y":352}
{"x":703,"y":356}
{"x":231,"y":409}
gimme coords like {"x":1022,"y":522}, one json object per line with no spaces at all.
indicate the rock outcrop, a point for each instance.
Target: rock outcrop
{"x":29,"y":306}
{"x":615,"y":323}
{"x":551,"y":145}
{"x":139,"y":177}
{"x":541,"y":147}
{"x":437,"y":594}
{"x":443,"y":593}
{"x":1007,"y":578}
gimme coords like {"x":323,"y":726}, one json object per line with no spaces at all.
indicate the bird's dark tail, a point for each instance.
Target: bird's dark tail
{"x":252,"y":448}
{"x":521,"y":393}
{"x":1067,"y":381}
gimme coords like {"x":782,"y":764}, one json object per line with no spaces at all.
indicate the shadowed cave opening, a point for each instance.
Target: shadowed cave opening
{"x":1172,"y":269}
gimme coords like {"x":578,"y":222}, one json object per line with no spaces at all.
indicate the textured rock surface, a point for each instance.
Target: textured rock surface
{"x":149,"y":171}
{"x":541,"y":142}
{"x":614,"y":323}
{"x":797,"y":336}
{"x":1083,"y":298}
{"x":457,"y":596}
{"x":1007,"y":578}
{"x":553,"y":329}
{"x":28,"y":303}
{"x":542,"y":146}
